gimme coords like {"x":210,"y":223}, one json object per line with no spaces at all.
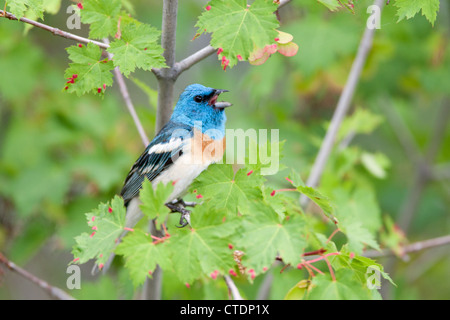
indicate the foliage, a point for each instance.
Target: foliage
{"x":63,"y":154}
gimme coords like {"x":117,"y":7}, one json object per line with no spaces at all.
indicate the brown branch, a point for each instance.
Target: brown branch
{"x":53,"y":292}
{"x":55,"y":31}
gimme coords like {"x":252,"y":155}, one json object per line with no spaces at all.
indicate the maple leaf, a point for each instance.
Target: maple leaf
{"x":346,"y":287}
{"x":102,"y":15}
{"x":107,"y":223}
{"x":142,"y":255}
{"x":332,"y":5}
{"x":138,"y":47}
{"x":236,"y":191}
{"x":91,"y":72}
{"x":154,"y":200}
{"x":204,"y":248}
{"x":266,"y":237}
{"x":409,"y":8}
{"x":248,"y":27}
{"x":20,"y":7}
{"x":316,"y":196}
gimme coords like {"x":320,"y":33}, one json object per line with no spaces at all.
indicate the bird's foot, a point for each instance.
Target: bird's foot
{"x":179,"y":206}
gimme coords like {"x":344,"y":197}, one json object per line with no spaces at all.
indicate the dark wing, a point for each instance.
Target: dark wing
{"x":157,"y":157}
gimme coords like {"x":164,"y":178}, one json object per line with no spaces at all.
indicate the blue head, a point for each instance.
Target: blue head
{"x":197,"y":108}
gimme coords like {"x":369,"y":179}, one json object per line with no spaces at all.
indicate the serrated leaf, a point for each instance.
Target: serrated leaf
{"x":248,"y":26}
{"x":235,"y":190}
{"x":358,"y":264}
{"x":409,"y":8}
{"x":19,"y":7}
{"x":102,"y":15}
{"x":107,"y":223}
{"x":204,"y":248}
{"x":266,"y":237}
{"x":154,"y":200}
{"x":346,"y":287}
{"x":93,"y":72}
{"x":332,"y":5}
{"x":142,"y":255}
{"x":316,"y":196}
{"x":138,"y":47}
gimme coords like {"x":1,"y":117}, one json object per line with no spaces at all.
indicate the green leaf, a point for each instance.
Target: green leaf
{"x":102,"y":15}
{"x":236,"y":191}
{"x":107,"y":223}
{"x":137,"y":47}
{"x":247,"y":27}
{"x":346,"y":287}
{"x":93,"y":72}
{"x":204,"y":248}
{"x":333,"y":5}
{"x":409,"y":8}
{"x":20,"y":7}
{"x":266,"y":237}
{"x":142,"y":255}
{"x":359,"y":265}
{"x":359,"y":216}
{"x":317,"y":197}
{"x":298,"y":291}
{"x":154,"y":200}
{"x":375,"y":163}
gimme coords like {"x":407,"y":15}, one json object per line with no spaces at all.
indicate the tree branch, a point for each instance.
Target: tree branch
{"x":55,"y":31}
{"x":126,"y":97}
{"x":342,"y":107}
{"x":53,"y":292}
{"x":232,"y":288}
{"x":166,"y":77}
{"x":413,"y":247}
{"x":188,"y":62}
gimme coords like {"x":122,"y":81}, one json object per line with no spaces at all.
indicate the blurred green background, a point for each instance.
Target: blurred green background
{"x":60,"y":155}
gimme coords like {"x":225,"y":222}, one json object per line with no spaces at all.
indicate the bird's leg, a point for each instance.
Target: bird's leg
{"x":184,"y":203}
{"x":185,"y":218}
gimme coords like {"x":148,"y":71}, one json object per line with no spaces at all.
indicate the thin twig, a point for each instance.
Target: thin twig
{"x":53,"y":292}
{"x":126,"y":97}
{"x":413,"y":247}
{"x":188,"y":62}
{"x":55,"y":31}
{"x":232,"y":288}
{"x":342,"y":107}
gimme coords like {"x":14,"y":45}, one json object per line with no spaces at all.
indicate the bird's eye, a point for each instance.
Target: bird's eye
{"x":198,"y":98}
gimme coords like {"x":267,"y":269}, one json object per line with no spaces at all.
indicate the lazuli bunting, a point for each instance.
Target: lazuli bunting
{"x":193,"y":138}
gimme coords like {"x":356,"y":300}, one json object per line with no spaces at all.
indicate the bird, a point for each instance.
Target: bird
{"x":192,"y":139}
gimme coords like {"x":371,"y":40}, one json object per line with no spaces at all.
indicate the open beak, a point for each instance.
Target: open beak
{"x":218,"y":104}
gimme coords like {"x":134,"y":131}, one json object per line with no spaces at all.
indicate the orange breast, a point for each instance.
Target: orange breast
{"x":206,"y":150}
